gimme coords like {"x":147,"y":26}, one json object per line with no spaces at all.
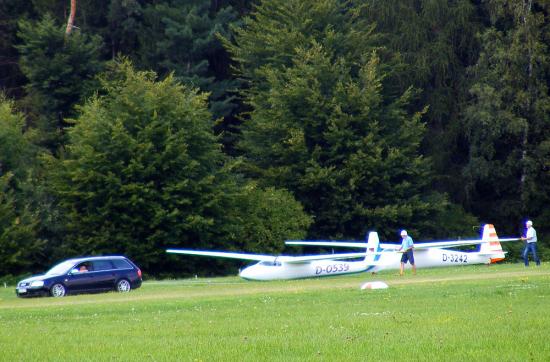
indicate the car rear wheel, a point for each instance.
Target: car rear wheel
{"x":58,"y":290}
{"x":123,"y":285}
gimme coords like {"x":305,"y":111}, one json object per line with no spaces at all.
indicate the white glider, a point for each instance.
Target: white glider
{"x":271,"y":267}
{"x":430,"y":254}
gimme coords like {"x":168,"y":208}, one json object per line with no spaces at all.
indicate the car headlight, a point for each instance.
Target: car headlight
{"x":37,"y":283}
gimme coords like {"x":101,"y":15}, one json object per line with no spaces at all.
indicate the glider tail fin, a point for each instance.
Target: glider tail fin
{"x":373,"y":247}
{"x":491,"y":244}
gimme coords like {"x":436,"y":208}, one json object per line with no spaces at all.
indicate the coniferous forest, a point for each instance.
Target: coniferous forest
{"x":237,"y":124}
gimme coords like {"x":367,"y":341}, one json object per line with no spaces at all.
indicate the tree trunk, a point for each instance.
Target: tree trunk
{"x":69,"y":28}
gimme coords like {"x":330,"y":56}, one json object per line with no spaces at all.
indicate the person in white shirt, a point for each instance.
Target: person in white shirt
{"x":530,"y":243}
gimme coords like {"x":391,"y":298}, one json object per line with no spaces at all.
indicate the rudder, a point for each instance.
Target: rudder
{"x":491,"y":244}
{"x":373,"y":247}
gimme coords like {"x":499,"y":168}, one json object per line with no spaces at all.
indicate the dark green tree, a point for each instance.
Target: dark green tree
{"x":322,"y":126}
{"x":144,"y":171}
{"x":123,"y":28}
{"x":19,"y":245}
{"x":436,"y":42}
{"x":11,"y":78}
{"x":507,"y":120}
{"x":180,"y":36}
{"x":60,"y":71}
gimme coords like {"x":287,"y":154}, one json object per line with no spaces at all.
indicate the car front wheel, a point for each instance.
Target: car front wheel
{"x":123,"y":285}
{"x":58,"y":290}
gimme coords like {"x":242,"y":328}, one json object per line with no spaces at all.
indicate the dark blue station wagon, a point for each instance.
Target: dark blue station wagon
{"x":83,"y":275}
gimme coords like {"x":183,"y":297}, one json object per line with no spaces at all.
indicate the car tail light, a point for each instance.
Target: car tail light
{"x":139,"y":272}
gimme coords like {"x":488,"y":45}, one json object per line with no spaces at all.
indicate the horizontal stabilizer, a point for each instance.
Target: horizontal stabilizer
{"x":489,"y":253}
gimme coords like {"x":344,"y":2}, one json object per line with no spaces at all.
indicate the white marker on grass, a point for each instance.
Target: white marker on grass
{"x":374,"y":285}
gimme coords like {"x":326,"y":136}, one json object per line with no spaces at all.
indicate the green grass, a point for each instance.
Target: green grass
{"x":465,"y":313}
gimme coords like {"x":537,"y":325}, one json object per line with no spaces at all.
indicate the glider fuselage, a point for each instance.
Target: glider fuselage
{"x":281,"y":270}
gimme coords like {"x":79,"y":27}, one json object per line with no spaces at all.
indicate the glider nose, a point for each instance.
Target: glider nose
{"x":245,"y":273}
{"x":253,"y":272}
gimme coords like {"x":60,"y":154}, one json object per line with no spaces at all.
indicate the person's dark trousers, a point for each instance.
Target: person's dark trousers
{"x":533,"y":248}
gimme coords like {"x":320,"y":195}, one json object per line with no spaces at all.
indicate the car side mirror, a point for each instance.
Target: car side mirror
{"x":74,"y":271}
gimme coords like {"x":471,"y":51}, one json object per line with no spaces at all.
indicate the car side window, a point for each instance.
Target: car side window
{"x":102,"y":265}
{"x":121,"y":264}
{"x":82,"y":268}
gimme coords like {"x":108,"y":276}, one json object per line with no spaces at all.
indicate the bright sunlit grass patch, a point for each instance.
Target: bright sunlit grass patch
{"x":468,"y":313}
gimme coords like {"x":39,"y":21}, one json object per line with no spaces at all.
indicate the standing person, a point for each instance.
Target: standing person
{"x":407,"y":247}
{"x":530,"y":243}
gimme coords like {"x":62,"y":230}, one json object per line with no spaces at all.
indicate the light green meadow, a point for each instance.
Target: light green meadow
{"x":468,"y":313}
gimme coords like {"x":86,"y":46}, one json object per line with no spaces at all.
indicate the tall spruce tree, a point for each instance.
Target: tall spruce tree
{"x":123,"y":28}
{"x":321,"y":124}
{"x":436,"y":42}
{"x":60,"y":72}
{"x":180,"y":36}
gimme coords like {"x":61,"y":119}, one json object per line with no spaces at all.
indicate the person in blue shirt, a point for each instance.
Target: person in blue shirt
{"x":406,"y":248}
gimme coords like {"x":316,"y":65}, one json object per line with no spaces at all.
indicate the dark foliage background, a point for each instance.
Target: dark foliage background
{"x":237,"y":124}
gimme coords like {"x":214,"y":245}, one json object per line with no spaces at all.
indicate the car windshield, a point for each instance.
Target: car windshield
{"x":61,"y":268}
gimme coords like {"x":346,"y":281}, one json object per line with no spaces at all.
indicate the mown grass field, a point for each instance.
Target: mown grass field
{"x":465,"y":313}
